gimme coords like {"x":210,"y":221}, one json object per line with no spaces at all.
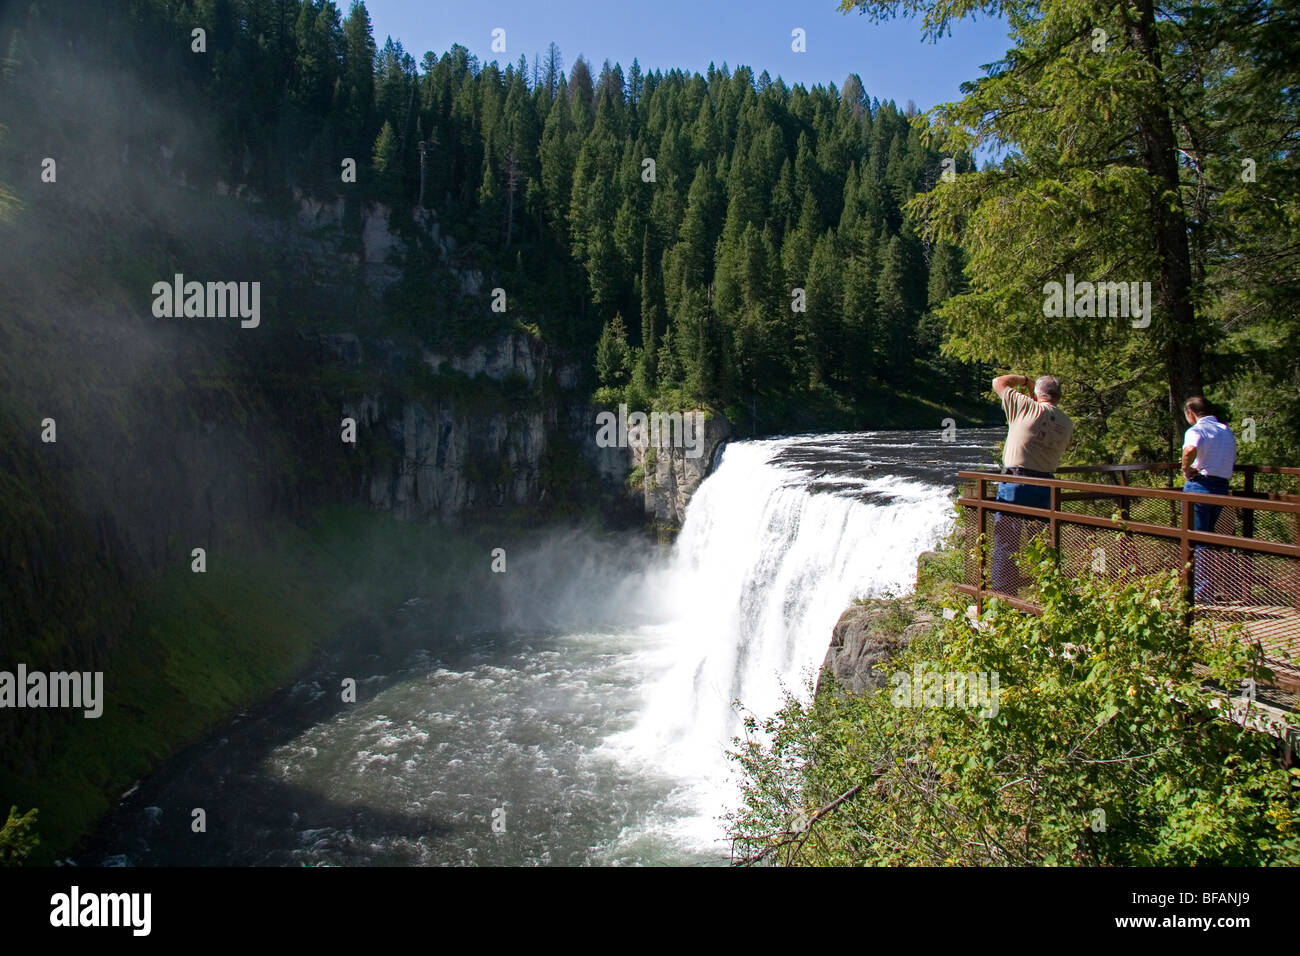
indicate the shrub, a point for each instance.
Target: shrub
{"x":16,"y":837}
{"x":1103,"y":749}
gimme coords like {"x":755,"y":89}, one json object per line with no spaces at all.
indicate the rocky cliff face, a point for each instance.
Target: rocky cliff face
{"x":441,"y":456}
{"x":671,"y":473}
{"x":654,"y":470}
{"x":445,"y":461}
{"x":867,"y":635}
{"x":453,"y":430}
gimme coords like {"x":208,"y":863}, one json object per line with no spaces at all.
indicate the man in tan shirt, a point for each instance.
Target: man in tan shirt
{"x":1038,"y":433}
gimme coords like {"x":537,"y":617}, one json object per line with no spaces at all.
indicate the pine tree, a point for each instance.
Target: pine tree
{"x":699,"y":227}
{"x":796,"y":252}
{"x":582,"y":96}
{"x":652,"y":315}
{"x":635,"y":84}
{"x":558,"y":156}
{"x":861,"y":330}
{"x":784,"y":210}
{"x":894,"y":316}
{"x":591,"y":214}
{"x":489,"y":207}
{"x":357,"y":79}
{"x":613,"y":358}
{"x":553,"y":70}
{"x":386,"y":161}
{"x":822,"y":333}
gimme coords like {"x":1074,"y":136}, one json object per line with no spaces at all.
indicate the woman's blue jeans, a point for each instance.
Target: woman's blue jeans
{"x":1204,"y":518}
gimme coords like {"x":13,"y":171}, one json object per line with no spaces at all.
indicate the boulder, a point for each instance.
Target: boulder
{"x":866,"y":636}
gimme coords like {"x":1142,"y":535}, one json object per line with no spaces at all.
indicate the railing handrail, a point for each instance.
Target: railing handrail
{"x":1129,"y":491}
{"x":1173,"y":533}
{"x":1172,"y":465}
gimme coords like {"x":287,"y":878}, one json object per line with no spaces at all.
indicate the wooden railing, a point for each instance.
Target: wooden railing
{"x":1279,"y":639}
{"x":1119,"y":474}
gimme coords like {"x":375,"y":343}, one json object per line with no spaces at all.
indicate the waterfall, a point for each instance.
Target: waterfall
{"x":776,"y":543}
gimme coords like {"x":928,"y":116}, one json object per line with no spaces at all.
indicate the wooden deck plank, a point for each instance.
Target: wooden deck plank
{"x":1277,"y":629}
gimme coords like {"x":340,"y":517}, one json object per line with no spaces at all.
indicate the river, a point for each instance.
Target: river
{"x":588,"y":722}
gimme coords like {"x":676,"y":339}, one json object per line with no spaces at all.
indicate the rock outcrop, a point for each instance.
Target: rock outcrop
{"x":870,"y":633}
{"x":514,"y":353}
{"x":671,"y":473}
{"x":452,"y":451}
{"x":437,"y":460}
{"x":655,"y":470}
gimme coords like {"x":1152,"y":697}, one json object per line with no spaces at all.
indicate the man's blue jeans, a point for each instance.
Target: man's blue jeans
{"x":1007,"y":529}
{"x":1204,"y":518}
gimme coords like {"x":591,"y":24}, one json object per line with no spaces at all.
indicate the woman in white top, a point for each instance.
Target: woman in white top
{"x":1209,"y":454}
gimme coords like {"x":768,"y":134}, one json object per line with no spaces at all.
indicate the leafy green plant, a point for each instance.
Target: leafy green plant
{"x":896,"y":614}
{"x":17,"y":837}
{"x":1104,"y":748}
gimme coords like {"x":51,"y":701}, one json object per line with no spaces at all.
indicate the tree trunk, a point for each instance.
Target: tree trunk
{"x":1182,"y":347}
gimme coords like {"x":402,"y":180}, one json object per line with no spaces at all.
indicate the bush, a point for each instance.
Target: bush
{"x":1102,"y":749}
{"x":16,"y":837}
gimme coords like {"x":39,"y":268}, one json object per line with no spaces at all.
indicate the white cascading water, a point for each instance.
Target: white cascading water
{"x":761,"y":571}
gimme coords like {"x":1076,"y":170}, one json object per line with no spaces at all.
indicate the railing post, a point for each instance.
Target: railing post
{"x":1188,"y":573}
{"x":1055,"y":526}
{"x":979,"y":548}
{"x":1248,"y":513}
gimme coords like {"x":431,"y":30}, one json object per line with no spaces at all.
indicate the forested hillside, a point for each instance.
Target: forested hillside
{"x":726,"y":239}
{"x":730,"y":240}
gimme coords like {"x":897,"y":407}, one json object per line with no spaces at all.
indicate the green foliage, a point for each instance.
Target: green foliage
{"x":18,"y":837}
{"x":613,"y":358}
{"x":896,"y":618}
{"x":938,"y":571}
{"x":1117,"y":166}
{"x":649,"y":466}
{"x":386,"y":163}
{"x":1103,"y":750}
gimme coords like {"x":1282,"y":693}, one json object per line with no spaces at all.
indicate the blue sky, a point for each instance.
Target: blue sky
{"x":891,"y":58}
